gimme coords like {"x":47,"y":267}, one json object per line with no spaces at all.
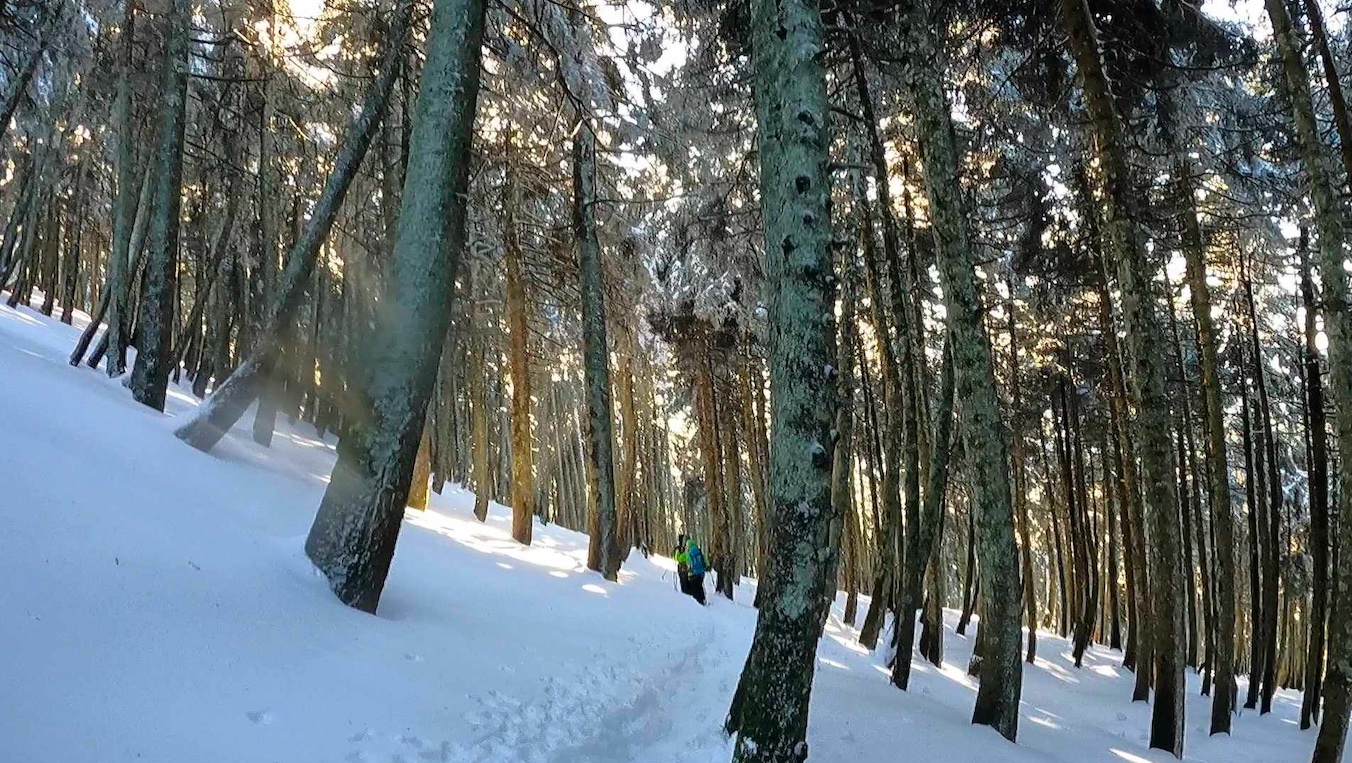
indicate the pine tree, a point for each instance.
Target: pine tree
{"x":770,"y":709}
{"x":354,"y":533}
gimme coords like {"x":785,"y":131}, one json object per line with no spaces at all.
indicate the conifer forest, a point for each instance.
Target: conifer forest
{"x":994,"y":357}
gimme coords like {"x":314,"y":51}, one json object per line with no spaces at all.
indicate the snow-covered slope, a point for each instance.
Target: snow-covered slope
{"x":157,"y":606}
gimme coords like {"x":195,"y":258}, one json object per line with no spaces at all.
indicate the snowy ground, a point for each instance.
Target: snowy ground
{"x":157,"y":606}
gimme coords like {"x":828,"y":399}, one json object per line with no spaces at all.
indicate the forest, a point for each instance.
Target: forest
{"x":1035,"y":311}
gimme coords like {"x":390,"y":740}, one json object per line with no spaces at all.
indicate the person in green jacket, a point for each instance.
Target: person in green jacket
{"x":690,"y":567}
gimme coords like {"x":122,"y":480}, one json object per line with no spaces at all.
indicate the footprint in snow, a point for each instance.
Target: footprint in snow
{"x":439,"y":755}
{"x":260,"y":717}
{"x":412,"y":740}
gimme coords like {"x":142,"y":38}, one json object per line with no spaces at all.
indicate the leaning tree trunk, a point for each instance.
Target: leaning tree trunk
{"x":136,"y":247}
{"x":150,"y":374}
{"x":19,"y":85}
{"x":353,"y":537}
{"x":1338,"y":326}
{"x":997,"y":701}
{"x":899,"y":370}
{"x":1122,"y":210}
{"x":605,"y":542}
{"x":770,"y":709}
{"x":232,"y":397}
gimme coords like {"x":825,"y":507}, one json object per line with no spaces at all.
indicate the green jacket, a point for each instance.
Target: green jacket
{"x":683,"y":556}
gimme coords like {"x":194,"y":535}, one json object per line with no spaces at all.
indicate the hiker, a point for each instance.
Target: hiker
{"x":690,"y":568}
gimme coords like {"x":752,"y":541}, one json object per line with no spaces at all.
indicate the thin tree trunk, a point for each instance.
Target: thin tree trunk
{"x":518,"y":330}
{"x":1020,"y":481}
{"x":1122,"y":214}
{"x":123,"y":202}
{"x":1111,"y":509}
{"x":1319,"y":498}
{"x":842,"y":503}
{"x":1218,"y":469}
{"x":231,"y":398}
{"x":1269,"y":511}
{"x":929,"y":533}
{"x":1252,"y":498}
{"x":997,"y":701}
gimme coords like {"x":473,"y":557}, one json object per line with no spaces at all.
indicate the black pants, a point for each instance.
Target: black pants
{"x":693,"y":586}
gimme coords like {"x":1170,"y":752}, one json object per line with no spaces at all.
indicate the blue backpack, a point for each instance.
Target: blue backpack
{"x":696,"y":560}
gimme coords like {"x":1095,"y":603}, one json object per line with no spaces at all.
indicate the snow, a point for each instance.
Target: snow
{"x":158,"y":607}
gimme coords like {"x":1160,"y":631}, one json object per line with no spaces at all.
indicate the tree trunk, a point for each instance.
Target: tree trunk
{"x":626,"y":488}
{"x":605,"y":545}
{"x":232,"y":397}
{"x":1270,"y":511}
{"x":1319,"y":498}
{"x":929,"y":534}
{"x":518,"y":330}
{"x":422,"y":470}
{"x":1329,"y":221}
{"x":899,"y":367}
{"x":1252,"y":497}
{"x":729,"y":531}
{"x":1218,"y":468}
{"x":1110,"y":510}
{"x":1020,"y":482}
{"x":997,"y":701}
{"x":19,"y":84}
{"x":478,"y":399}
{"x":1136,"y":274}
{"x":842,"y":503}
{"x":150,"y":374}
{"x":124,"y":201}
{"x":354,"y":534}
{"x":770,"y":709}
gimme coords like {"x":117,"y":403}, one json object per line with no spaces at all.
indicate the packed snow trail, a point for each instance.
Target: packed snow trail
{"x":158,"y":607}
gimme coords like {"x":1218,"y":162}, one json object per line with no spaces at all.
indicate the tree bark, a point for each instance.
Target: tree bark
{"x":1218,"y":470}
{"x":605,"y":542}
{"x":997,"y":701}
{"x":1020,"y":481}
{"x":1270,"y":509}
{"x":929,"y":534}
{"x":1319,"y":498}
{"x":1252,"y":497}
{"x":124,"y":201}
{"x":518,"y":330}
{"x":150,"y":374}
{"x":353,"y":537}
{"x":1136,"y":275}
{"x":1338,"y":326}
{"x":770,"y":710}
